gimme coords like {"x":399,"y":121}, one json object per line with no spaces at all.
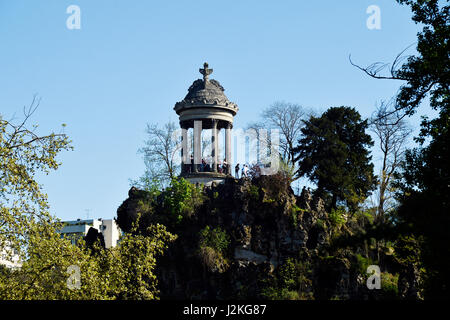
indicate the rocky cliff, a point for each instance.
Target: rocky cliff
{"x":254,"y":239}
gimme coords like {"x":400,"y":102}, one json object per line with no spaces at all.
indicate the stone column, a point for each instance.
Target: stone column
{"x":228,"y":147}
{"x":214,"y":145}
{"x":197,"y":144}
{"x":185,"y":159}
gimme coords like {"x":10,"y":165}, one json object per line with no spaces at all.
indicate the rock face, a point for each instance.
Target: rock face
{"x":267,"y":226}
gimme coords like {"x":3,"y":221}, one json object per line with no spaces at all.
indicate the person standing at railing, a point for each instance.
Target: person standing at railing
{"x":225,"y":166}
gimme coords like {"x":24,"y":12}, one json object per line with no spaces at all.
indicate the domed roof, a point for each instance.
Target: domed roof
{"x":205,"y":93}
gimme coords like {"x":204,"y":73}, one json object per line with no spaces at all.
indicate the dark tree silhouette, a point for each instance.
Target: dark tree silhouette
{"x":424,"y":183}
{"x":334,"y":154}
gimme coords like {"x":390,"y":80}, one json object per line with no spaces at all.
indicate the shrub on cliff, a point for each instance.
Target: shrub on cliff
{"x":213,"y":245}
{"x":181,"y":199}
{"x":168,"y":207}
{"x":292,"y":281}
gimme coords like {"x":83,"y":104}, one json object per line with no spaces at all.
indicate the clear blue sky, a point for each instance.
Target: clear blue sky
{"x":132,"y":60}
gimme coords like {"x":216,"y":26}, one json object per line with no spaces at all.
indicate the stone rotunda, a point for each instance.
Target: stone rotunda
{"x":205,"y":107}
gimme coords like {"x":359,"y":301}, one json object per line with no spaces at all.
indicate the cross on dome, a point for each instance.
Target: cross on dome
{"x":205,"y":71}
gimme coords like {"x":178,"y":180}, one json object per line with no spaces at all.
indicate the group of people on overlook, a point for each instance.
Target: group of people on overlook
{"x":222,"y":167}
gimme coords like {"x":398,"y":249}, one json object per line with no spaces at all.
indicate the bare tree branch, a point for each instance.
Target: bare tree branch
{"x":392,"y":132}
{"x":159,"y":153}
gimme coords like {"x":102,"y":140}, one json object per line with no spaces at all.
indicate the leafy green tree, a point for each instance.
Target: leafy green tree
{"x":425,"y":204}
{"x":122,"y":272}
{"x":44,"y":273}
{"x":23,"y":154}
{"x":425,"y":178}
{"x":333,"y":153}
{"x":133,"y":261}
{"x":181,"y":199}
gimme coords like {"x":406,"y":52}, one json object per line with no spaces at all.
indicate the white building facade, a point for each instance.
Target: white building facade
{"x":77,"y":229}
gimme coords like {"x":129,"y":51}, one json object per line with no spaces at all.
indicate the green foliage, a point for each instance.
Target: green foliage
{"x":43,"y":274}
{"x":213,"y":245}
{"x":422,"y":185}
{"x":428,"y":71}
{"x":23,"y":155}
{"x":253,"y":191}
{"x":389,"y":285}
{"x":337,"y":216}
{"x":142,"y":205}
{"x":294,"y":214}
{"x":287,"y":274}
{"x":334,"y":153}
{"x":320,"y":223}
{"x":286,"y":169}
{"x":265,"y":200}
{"x":213,"y":260}
{"x":215,"y":238}
{"x":362,"y":263}
{"x":368,"y":214}
{"x":153,"y":186}
{"x":132,"y":263}
{"x":425,"y":205}
{"x":292,"y":282}
{"x":169,"y":207}
{"x":181,"y":199}
{"x":122,"y":272}
{"x":407,"y":250}
{"x":4,"y":271}
{"x":272,"y":293}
